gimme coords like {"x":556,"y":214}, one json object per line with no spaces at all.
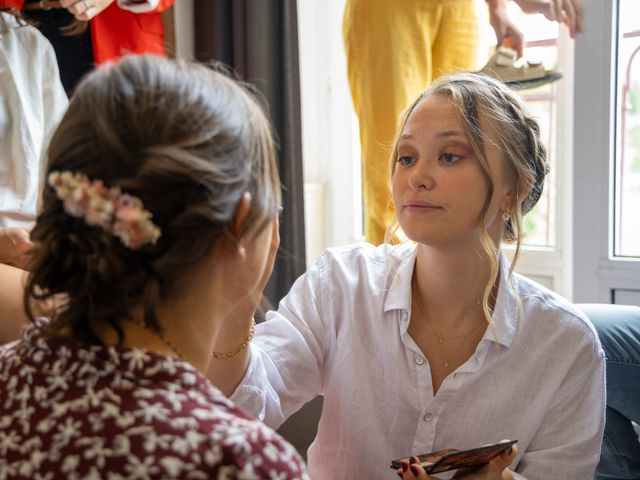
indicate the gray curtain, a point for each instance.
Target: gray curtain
{"x":259,"y":40}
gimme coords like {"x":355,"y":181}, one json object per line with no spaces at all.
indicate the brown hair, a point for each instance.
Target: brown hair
{"x":189,"y":142}
{"x":479,"y":98}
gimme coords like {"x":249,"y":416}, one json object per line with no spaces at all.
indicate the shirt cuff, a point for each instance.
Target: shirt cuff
{"x":248,"y":396}
{"x":138,"y":6}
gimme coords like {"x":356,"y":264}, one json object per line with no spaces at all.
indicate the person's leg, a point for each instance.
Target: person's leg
{"x":457,"y":45}
{"x":620,"y":457}
{"x":388,"y":49}
{"x":619,"y":330}
{"x":12,"y":314}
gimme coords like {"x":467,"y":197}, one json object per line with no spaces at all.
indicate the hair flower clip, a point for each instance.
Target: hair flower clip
{"x":118,"y":213}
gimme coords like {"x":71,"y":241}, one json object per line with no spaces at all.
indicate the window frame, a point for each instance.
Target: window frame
{"x":552,"y":266}
{"x":597,"y":273}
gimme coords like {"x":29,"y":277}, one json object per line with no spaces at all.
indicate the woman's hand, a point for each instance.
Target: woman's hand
{"x":497,"y":469}
{"x":14,"y":247}
{"x":411,"y":469}
{"x":567,"y":11}
{"x":85,"y":10}
{"x":507,"y":33}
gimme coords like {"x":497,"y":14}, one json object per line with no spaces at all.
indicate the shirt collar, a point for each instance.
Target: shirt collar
{"x":506,"y":313}
{"x":401,"y":262}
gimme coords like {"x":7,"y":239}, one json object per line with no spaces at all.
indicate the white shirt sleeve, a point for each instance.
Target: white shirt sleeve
{"x":288,"y":354}
{"x":342,"y":332}
{"x":567,"y":443}
{"x":138,"y":7}
{"x":55,"y":104}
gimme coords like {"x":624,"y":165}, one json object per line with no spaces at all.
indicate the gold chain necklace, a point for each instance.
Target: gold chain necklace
{"x":162,"y":337}
{"x":441,"y":338}
{"x":171,"y":346}
{"x":241,"y":347}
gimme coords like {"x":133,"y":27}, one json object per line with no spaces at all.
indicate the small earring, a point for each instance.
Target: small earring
{"x":242,"y":252}
{"x":506,"y":215}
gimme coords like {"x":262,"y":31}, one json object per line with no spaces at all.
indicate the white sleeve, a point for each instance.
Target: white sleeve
{"x":55,"y":104}
{"x":567,"y":443}
{"x":138,"y":7}
{"x":289,"y":353}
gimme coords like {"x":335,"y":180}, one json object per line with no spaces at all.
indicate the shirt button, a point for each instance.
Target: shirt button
{"x":427,"y":417}
{"x":419,"y":360}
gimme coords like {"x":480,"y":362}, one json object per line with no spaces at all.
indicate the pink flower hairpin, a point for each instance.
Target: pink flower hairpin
{"x":118,"y":213}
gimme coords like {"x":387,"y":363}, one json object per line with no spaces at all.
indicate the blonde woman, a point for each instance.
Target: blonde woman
{"x":436,"y":343}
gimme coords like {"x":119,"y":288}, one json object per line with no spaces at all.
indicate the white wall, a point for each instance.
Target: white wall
{"x":329,"y":130}
{"x":183,"y":17}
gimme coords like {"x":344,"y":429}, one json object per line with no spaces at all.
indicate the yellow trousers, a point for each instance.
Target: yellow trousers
{"x":394,"y":49}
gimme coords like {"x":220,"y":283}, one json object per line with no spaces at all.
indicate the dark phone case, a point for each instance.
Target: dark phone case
{"x":452,"y":459}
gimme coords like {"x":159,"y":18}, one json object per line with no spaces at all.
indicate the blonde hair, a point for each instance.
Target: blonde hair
{"x":480,"y":99}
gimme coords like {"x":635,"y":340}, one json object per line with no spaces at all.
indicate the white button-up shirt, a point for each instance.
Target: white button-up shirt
{"x":32,"y":103}
{"x":342,"y":332}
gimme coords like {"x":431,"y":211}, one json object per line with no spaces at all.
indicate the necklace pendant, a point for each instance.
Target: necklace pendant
{"x":446,"y":364}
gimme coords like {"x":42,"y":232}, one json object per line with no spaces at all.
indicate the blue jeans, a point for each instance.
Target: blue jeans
{"x":619,"y":331}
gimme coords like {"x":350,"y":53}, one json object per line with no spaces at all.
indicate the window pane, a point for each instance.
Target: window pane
{"x":627,"y":168}
{"x":540,"y":223}
{"x":541,"y":36}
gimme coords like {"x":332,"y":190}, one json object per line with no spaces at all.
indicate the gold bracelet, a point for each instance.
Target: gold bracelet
{"x":242,"y":346}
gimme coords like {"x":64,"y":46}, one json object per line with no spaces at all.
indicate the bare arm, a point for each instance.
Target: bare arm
{"x":227,"y":373}
{"x":15,"y":246}
{"x":12,"y":315}
{"x":569,"y":12}
{"x":506,"y":31}
{"x":85,"y":10}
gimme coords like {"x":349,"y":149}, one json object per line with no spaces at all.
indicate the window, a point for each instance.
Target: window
{"x":606,"y":256}
{"x":627,"y":167}
{"x":541,"y":44}
{"x":547,"y":241}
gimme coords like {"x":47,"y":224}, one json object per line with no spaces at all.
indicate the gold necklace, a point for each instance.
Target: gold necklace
{"x":162,"y":337}
{"x":441,"y":338}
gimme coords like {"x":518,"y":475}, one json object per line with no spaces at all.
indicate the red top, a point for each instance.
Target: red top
{"x":78,"y":412}
{"x":116,"y":32}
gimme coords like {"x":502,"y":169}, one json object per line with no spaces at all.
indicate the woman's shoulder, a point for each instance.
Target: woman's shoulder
{"x":554,"y":312}
{"x":206,"y":425}
{"x":23,"y":38}
{"x":246,"y":446}
{"x":173,"y":419}
{"x":368,"y":256}
{"x":11,"y":20}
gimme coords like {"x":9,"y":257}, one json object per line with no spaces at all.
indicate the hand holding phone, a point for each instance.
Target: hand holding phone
{"x":452,"y":459}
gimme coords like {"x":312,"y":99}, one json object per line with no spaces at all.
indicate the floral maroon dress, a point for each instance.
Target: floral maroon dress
{"x":97,"y":412}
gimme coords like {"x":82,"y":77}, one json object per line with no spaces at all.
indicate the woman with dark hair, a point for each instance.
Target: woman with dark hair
{"x":159,"y":225}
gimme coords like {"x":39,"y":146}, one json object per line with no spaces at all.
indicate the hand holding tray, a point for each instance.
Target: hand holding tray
{"x":452,"y":459}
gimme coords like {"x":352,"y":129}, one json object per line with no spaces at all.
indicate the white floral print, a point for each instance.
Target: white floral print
{"x":69,"y":411}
